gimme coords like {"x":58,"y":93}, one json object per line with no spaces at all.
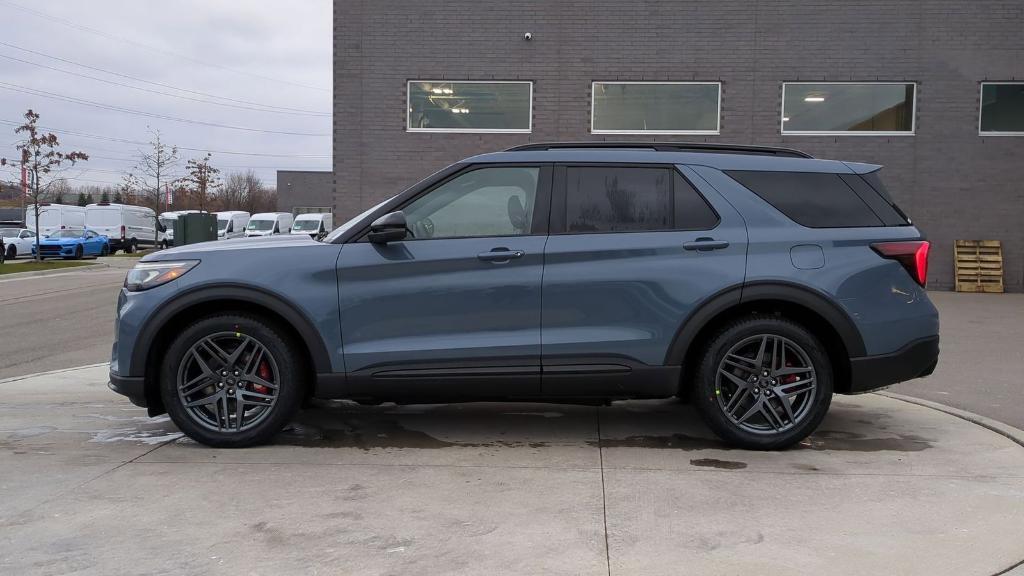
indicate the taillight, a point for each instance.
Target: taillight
{"x":913,"y":255}
{"x":122,"y":232}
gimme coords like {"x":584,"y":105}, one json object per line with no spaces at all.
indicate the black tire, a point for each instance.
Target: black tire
{"x":129,"y":248}
{"x":12,"y":252}
{"x":105,"y":251}
{"x":79,"y":252}
{"x":284,"y":357}
{"x":713,"y":396}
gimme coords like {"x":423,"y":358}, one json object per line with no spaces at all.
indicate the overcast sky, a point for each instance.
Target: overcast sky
{"x":254,"y":58}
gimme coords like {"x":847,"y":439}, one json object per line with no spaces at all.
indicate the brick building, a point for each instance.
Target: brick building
{"x":925,"y":88}
{"x":302,"y":189}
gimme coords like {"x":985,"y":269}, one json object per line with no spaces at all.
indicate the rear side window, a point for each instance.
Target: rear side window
{"x":815,"y":200}
{"x":624,"y":199}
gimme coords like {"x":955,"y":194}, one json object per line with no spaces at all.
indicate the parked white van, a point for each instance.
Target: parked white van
{"x":126,"y":226}
{"x":269,"y":223}
{"x":231,"y":224}
{"x":167,"y":219}
{"x":316,"y":224}
{"x":53,"y":217}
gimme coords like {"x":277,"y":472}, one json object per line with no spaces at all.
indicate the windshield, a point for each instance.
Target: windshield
{"x":11,"y":232}
{"x":309,"y":225}
{"x":167,"y":222}
{"x":260,"y":225}
{"x":222,"y":225}
{"x":347,"y":225}
{"x":67,"y":234}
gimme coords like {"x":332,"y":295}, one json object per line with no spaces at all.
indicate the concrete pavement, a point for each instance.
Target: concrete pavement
{"x":93,"y":486}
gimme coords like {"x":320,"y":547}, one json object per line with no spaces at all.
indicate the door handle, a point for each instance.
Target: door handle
{"x":500,"y":255}
{"x":705,"y":244}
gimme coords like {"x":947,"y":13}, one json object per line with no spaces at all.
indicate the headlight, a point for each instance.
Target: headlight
{"x":146,"y":275}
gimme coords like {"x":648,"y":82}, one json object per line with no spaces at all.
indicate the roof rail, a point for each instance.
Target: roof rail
{"x":711,"y":148}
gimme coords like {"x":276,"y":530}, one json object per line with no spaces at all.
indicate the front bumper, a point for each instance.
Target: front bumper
{"x":915,"y":360}
{"x":134,"y":387}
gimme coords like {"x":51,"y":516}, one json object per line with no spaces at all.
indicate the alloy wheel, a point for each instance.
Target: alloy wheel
{"x":228,"y":382}
{"x":765,"y":384}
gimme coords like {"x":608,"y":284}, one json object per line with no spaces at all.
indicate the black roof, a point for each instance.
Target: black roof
{"x":713,"y":148}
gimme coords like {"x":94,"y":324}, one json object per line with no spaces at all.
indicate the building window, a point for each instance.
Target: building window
{"x":1002,"y":109}
{"x":469,"y":106}
{"x":879,"y":109}
{"x":655,"y":107}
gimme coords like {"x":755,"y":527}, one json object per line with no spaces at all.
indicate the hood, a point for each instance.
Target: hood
{"x":59,"y":240}
{"x":251,"y":243}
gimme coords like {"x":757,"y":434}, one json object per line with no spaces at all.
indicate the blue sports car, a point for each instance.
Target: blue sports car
{"x":73,"y":244}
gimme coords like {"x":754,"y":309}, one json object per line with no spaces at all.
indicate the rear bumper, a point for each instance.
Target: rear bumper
{"x":915,"y":360}
{"x":134,"y":387}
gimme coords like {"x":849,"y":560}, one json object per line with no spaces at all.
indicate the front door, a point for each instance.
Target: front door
{"x":634,"y":249}
{"x":454,"y":308}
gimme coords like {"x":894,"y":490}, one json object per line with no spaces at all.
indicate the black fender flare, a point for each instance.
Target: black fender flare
{"x":796,"y":294}
{"x":249,"y":294}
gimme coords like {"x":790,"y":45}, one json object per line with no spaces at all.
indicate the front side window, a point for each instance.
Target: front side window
{"x":485,"y":202}
{"x":1002,"y":109}
{"x":848,"y":108}
{"x":442,"y":106}
{"x":655,"y":107}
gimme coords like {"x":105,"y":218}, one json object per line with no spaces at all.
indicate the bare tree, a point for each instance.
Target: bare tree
{"x":201,"y":181}
{"x":41,"y":156}
{"x":157,"y":166}
{"x":129,"y":187}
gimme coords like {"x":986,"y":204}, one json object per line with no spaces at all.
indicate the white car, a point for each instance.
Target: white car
{"x":17,"y":241}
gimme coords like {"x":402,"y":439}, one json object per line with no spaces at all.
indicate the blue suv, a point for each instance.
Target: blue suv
{"x":753,"y":282}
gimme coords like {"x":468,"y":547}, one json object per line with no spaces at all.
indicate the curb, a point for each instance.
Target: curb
{"x":35,"y":273}
{"x":49,"y":372}
{"x":1014,"y":434}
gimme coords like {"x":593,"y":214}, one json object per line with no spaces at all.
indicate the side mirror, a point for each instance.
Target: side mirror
{"x":388,"y":228}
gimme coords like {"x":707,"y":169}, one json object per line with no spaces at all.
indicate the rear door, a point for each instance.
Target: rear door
{"x":453,"y":309}
{"x":633,"y":250}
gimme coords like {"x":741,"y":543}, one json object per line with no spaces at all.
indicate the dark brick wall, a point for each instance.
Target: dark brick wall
{"x":304,"y":188}
{"x":954,"y":183}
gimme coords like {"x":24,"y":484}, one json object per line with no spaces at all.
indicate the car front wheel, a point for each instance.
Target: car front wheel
{"x":231,"y":380}
{"x":764,"y":383}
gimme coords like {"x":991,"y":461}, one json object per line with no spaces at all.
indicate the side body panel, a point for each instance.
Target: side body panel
{"x":433,"y":307}
{"x":888,"y":308}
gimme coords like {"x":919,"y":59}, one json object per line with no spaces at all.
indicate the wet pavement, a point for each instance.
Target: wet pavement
{"x":91,"y":485}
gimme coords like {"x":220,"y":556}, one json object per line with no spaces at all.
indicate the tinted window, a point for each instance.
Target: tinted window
{"x":611,"y":199}
{"x":469,"y":106}
{"x":1002,"y":108}
{"x":484,"y":202}
{"x":637,"y":107}
{"x":692,"y":211}
{"x":811,"y":199}
{"x":847,"y":107}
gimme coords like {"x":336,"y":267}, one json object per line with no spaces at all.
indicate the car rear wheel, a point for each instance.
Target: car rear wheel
{"x":764,"y":383}
{"x":231,"y":380}
{"x":105,"y":250}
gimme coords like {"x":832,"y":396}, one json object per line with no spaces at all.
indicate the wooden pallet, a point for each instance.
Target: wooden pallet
{"x":979,"y":265}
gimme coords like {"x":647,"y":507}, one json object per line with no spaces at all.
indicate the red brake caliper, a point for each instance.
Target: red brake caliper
{"x":789,"y":378}
{"x":263,"y":372}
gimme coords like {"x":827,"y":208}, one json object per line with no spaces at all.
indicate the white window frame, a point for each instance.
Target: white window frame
{"x":981,"y":92}
{"x":593,"y":98}
{"x":408,"y":109}
{"x":782,"y":113}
